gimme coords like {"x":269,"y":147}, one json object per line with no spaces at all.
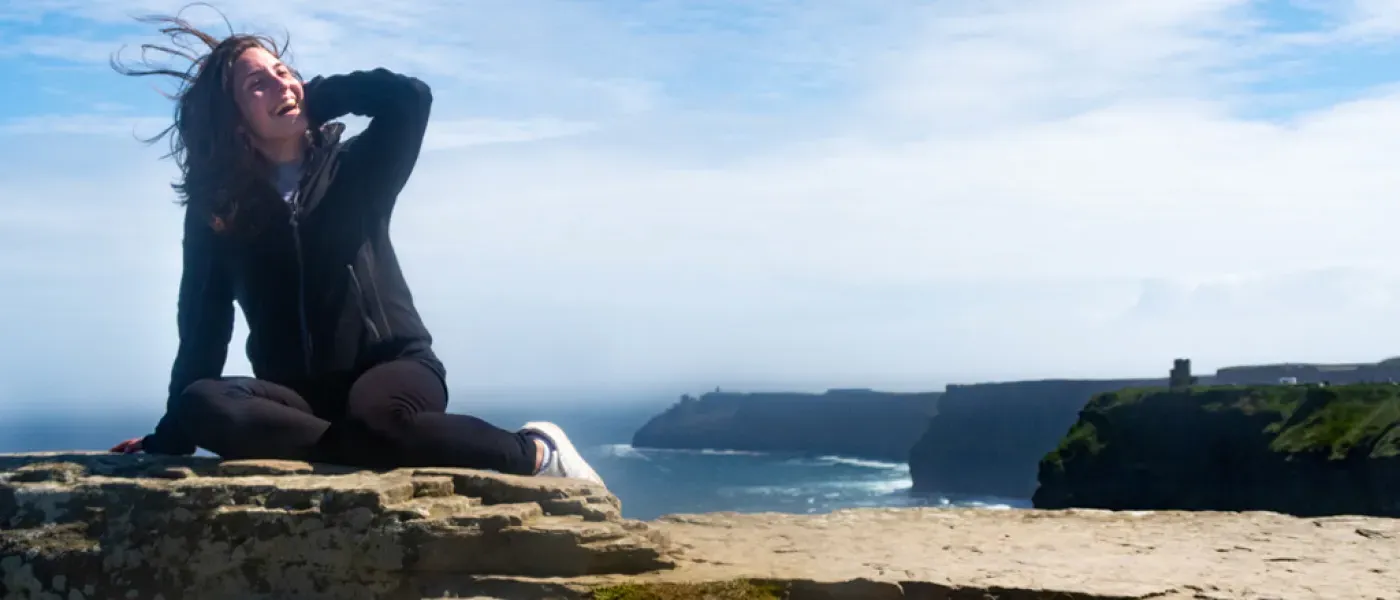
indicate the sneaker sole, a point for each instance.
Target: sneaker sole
{"x":564,"y":446}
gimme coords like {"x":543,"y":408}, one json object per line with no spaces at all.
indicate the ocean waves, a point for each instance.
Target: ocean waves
{"x":702,"y":480}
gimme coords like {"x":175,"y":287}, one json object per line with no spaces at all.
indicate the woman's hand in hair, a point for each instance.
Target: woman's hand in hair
{"x":310,"y":103}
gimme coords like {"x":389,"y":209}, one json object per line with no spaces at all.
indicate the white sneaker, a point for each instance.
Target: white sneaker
{"x":564,"y":461}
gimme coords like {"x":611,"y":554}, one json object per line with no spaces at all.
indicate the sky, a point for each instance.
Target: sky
{"x":898,"y":194}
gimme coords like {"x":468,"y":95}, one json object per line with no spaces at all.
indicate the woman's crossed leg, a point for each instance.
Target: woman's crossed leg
{"x":395,"y":415}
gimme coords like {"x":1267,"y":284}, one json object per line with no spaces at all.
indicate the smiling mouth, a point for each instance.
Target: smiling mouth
{"x":286,"y":108}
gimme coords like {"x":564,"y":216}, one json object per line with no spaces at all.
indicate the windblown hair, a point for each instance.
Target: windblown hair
{"x":219,"y":167}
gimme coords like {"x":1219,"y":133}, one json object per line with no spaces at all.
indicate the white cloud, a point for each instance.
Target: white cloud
{"x":85,"y":124}
{"x":851,"y":193}
{"x":1369,"y":20}
{"x":64,"y":48}
{"x":476,"y":132}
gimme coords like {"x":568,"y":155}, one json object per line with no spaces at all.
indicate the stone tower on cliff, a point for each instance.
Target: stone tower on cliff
{"x":1181,"y":374}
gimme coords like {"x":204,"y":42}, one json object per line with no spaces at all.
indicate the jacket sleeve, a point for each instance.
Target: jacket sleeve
{"x":383,"y":156}
{"x":204,"y":319}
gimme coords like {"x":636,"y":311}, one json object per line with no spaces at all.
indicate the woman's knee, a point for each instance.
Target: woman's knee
{"x":391,"y":420}
{"x":199,"y":396}
{"x":208,"y":399}
{"x":386,"y":419}
{"x":393,"y":394}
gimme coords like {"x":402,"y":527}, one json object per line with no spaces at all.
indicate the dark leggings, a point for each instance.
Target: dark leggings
{"x":394,"y":416}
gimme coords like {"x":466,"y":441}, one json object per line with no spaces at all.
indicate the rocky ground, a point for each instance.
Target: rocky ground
{"x":1053,"y":554}
{"x":138,"y":527}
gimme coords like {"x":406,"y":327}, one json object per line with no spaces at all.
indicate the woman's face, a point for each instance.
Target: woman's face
{"x":269,"y":96}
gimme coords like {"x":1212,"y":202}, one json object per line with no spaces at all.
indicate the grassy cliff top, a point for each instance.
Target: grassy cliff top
{"x":1334,"y":421}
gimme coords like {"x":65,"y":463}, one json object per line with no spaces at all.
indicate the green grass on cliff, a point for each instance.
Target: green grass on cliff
{"x":1084,"y":436}
{"x":1301,"y":419}
{"x":1350,"y":416}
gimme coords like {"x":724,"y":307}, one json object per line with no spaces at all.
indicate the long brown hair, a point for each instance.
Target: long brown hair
{"x":219,"y":169}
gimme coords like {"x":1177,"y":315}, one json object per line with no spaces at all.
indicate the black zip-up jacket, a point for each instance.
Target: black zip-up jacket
{"x":321,"y":287}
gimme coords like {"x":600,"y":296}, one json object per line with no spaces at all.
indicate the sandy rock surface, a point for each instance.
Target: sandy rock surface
{"x":1095,"y":554}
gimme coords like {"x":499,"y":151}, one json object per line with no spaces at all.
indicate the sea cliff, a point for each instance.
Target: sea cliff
{"x":96,"y":526}
{"x":853,"y":423}
{"x":1300,"y":449}
{"x":987,"y":438}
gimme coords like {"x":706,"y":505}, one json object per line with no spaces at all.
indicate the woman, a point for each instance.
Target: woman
{"x":292,"y":223}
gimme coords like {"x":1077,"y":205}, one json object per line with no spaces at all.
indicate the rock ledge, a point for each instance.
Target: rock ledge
{"x":76,"y":526}
{"x":89,"y":525}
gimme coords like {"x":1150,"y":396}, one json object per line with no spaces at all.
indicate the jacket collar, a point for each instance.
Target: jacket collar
{"x":322,"y":162}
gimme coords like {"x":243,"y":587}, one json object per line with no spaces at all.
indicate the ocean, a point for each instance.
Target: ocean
{"x":649,"y":482}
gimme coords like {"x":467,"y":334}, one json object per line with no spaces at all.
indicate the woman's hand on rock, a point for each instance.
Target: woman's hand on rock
{"x":130,"y":446}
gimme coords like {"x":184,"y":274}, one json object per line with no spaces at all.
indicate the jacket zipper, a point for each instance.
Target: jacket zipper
{"x":369,"y":265}
{"x":301,"y":281}
{"x":360,"y":301}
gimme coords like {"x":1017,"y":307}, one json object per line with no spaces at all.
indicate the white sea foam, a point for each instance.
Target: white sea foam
{"x":875,"y":486}
{"x":693,"y":451}
{"x":861,"y":462}
{"x":621,"y":451}
{"x":763,"y":490}
{"x":748,"y":480}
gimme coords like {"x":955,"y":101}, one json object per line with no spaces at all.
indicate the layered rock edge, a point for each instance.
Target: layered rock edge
{"x":96,"y":525}
{"x":106,"y":525}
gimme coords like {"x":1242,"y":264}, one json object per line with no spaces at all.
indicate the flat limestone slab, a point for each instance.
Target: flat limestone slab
{"x":932,"y":553}
{"x":98,"y":525}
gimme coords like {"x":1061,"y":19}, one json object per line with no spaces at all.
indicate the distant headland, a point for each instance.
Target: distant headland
{"x":974,"y":439}
{"x":856,"y":423}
